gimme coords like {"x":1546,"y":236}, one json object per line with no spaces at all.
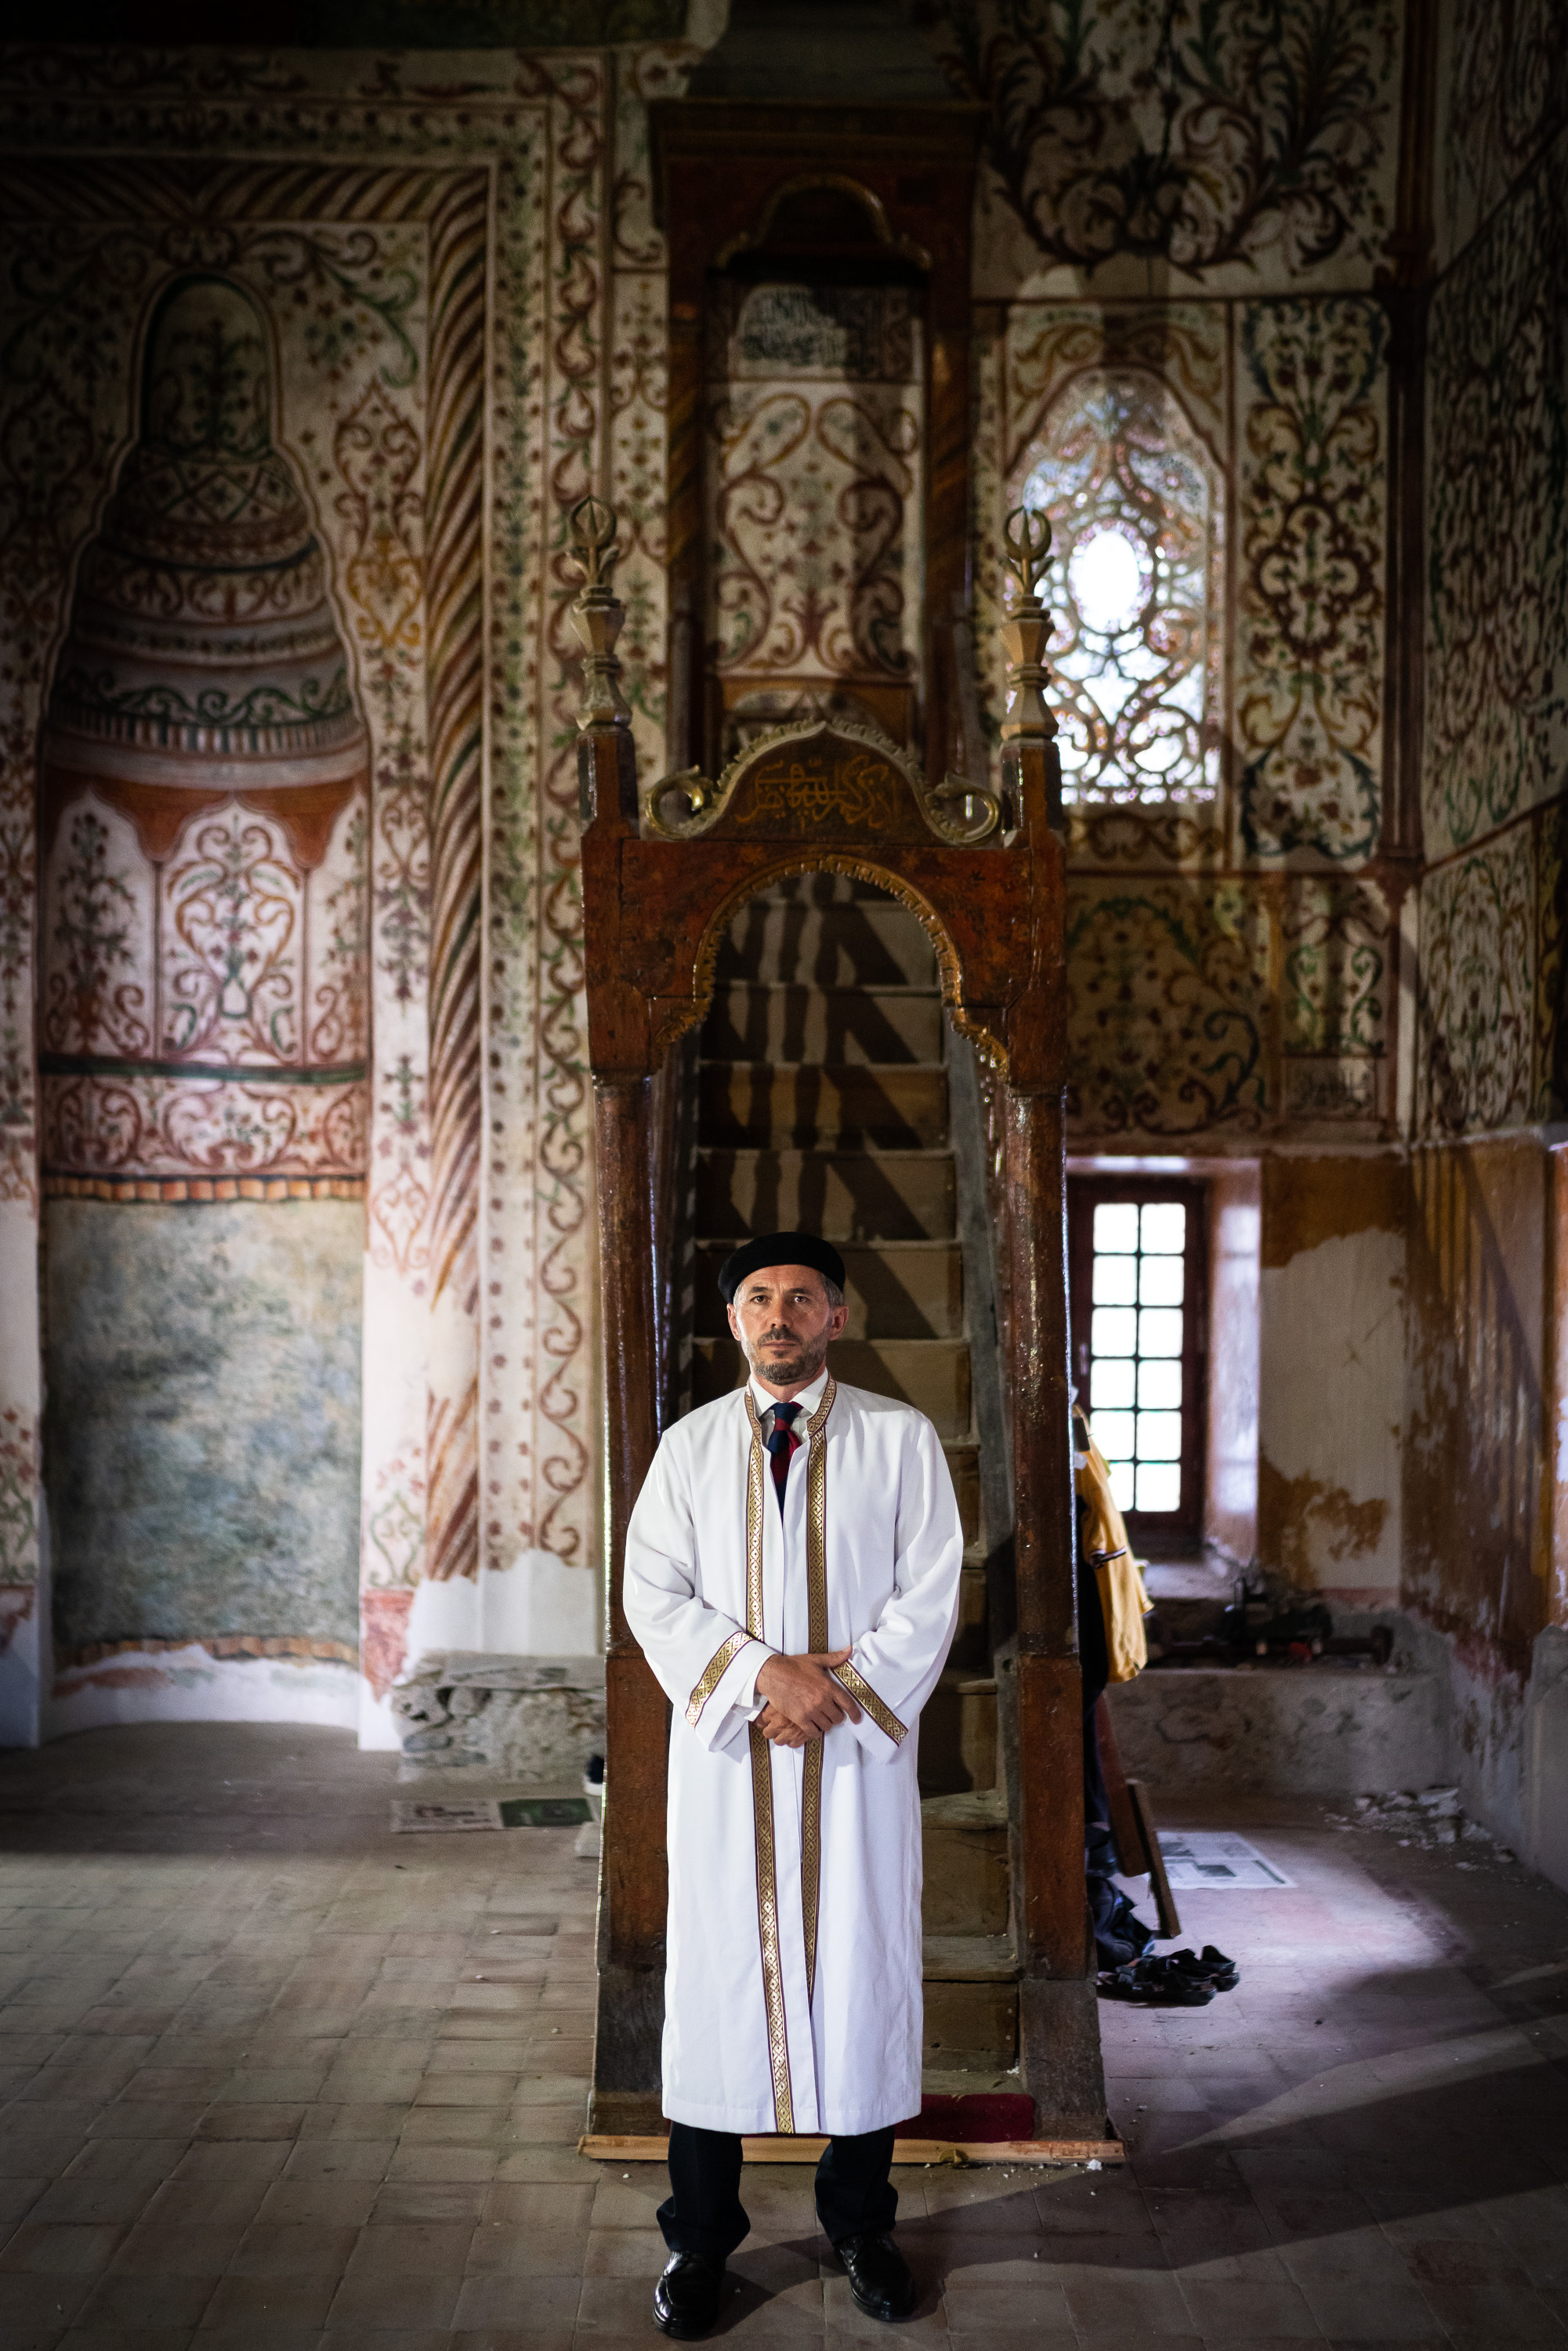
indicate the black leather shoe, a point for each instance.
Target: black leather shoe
{"x":879,"y":2276}
{"x":687,"y":2297}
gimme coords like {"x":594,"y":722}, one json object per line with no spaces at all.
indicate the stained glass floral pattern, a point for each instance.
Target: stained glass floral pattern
{"x":1136,"y":515}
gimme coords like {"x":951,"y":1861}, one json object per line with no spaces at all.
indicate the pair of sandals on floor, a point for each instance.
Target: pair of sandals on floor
{"x":1183,"y":1978}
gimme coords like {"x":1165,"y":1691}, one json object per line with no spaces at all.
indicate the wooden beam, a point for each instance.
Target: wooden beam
{"x":612,"y":2146}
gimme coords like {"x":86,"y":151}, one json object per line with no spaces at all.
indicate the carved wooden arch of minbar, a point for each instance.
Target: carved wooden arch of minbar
{"x":987,"y":883}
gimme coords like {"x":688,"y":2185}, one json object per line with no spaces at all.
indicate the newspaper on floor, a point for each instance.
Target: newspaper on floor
{"x":1204,"y":1859}
{"x":450,"y":1813}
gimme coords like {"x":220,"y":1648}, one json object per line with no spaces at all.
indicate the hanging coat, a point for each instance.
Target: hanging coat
{"x":1102,"y":1533}
{"x":793,"y":1986}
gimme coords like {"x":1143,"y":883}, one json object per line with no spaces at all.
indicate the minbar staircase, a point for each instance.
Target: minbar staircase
{"x":825,"y":1105}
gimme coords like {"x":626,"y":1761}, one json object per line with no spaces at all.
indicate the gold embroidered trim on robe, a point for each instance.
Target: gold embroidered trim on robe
{"x":816,"y":1642}
{"x":713,"y":1673}
{"x":862,"y":1692}
{"x":762,"y":1804}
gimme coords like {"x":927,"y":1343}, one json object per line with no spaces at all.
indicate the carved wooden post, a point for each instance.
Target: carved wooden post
{"x":633,"y":1883}
{"x":1058,"y":2026}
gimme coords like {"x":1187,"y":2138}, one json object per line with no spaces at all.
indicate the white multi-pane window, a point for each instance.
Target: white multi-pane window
{"x":1137,"y":1345}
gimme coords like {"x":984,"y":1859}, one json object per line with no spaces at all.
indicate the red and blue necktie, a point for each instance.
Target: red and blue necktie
{"x":781,"y":1444}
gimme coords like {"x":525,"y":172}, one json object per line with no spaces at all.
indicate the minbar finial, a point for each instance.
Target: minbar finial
{"x":593,"y":526}
{"x":1026,"y":535}
{"x":1026,"y":538}
{"x":598,"y":615}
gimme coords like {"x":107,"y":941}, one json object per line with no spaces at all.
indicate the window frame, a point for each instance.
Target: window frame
{"x":1136,"y":382}
{"x":1150,"y":1532}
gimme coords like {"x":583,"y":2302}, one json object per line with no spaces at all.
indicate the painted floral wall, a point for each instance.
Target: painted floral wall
{"x":1201,"y":238}
{"x":455,"y":283}
{"x":1185,"y":340}
{"x":1233,"y":933}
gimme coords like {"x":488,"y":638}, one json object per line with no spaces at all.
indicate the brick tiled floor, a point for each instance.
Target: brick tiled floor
{"x":278,"y":2080}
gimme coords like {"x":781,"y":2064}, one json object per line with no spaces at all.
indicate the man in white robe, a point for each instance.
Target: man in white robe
{"x":792,"y":1573}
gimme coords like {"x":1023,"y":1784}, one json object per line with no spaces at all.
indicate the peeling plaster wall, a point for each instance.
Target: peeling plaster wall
{"x":1231,"y":1482}
{"x":1332,"y":1347}
{"x":1477,"y":1561}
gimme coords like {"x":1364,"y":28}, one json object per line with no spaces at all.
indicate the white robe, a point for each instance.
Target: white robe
{"x":793,"y":1993}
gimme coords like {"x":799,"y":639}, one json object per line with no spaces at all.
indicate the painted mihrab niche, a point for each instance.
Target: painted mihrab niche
{"x":203,"y":806}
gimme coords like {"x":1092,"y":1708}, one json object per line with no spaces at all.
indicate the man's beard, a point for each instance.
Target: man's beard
{"x":796,"y":1371}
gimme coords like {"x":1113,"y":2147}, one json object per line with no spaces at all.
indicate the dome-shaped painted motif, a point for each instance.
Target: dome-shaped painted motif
{"x":204,"y":1011}
{"x":201,"y":637}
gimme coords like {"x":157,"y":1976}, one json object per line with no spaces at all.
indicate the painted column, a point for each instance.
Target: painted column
{"x":202,"y":1049}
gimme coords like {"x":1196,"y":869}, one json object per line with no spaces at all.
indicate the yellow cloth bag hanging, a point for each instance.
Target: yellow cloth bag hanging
{"x":1123,"y":1599}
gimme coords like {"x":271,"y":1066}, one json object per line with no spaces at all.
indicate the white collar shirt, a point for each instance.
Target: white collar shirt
{"x":808,"y":1401}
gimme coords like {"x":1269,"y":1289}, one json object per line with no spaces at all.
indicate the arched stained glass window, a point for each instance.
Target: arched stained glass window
{"x":1136,"y":587}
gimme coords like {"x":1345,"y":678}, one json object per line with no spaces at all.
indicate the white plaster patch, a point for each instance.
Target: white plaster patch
{"x":187,"y":1685}
{"x":537,"y":1607}
{"x":1331,"y":1358}
{"x":378,"y":1732}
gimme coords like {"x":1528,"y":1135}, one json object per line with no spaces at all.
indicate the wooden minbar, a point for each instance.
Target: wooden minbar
{"x":663,"y":873}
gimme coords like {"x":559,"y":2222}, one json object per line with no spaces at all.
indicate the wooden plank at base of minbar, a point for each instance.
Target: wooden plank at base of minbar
{"x":612,"y":2147}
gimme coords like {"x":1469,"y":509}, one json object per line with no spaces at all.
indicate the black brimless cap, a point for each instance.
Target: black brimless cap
{"x":780,"y":1249}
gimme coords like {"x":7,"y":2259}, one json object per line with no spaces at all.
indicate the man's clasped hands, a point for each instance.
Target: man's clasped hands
{"x":803,"y":1700}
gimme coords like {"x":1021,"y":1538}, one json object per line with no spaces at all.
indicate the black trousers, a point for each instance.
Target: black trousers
{"x":704,"y":2214}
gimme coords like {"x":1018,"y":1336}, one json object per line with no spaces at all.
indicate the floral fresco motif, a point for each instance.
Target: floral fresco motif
{"x":1309,"y":638}
{"x":19,"y":1498}
{"x":231,"y":908}
{"x":1496,"y":737}
{"x":1335,"y":936}
{"x":1507,"y":88}
{"x":137,"y":1125}
{"x":336,"y":995}
{"x":1477,"y":993}
{"x":97,"y":923}
{"x":1189,"y":133}
{"x":1168,"y":995}
{"x":816,"y":485}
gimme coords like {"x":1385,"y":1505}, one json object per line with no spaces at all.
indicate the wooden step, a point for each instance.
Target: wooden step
{"x":958,"y":1734}
{"x":970,"y":1651}
{"x":933,"y":1374}
{"x":845,"y":1196}
{"x":902,"y":1290}
{"x":965,"y":1839}
{"x":898,"y":1108}
{"x":969,"y":1958}
{"x":869,"y":944}
{"x":971,"y":2002}
{"x":784,"y":1022}
{"x":964,"y":1463}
